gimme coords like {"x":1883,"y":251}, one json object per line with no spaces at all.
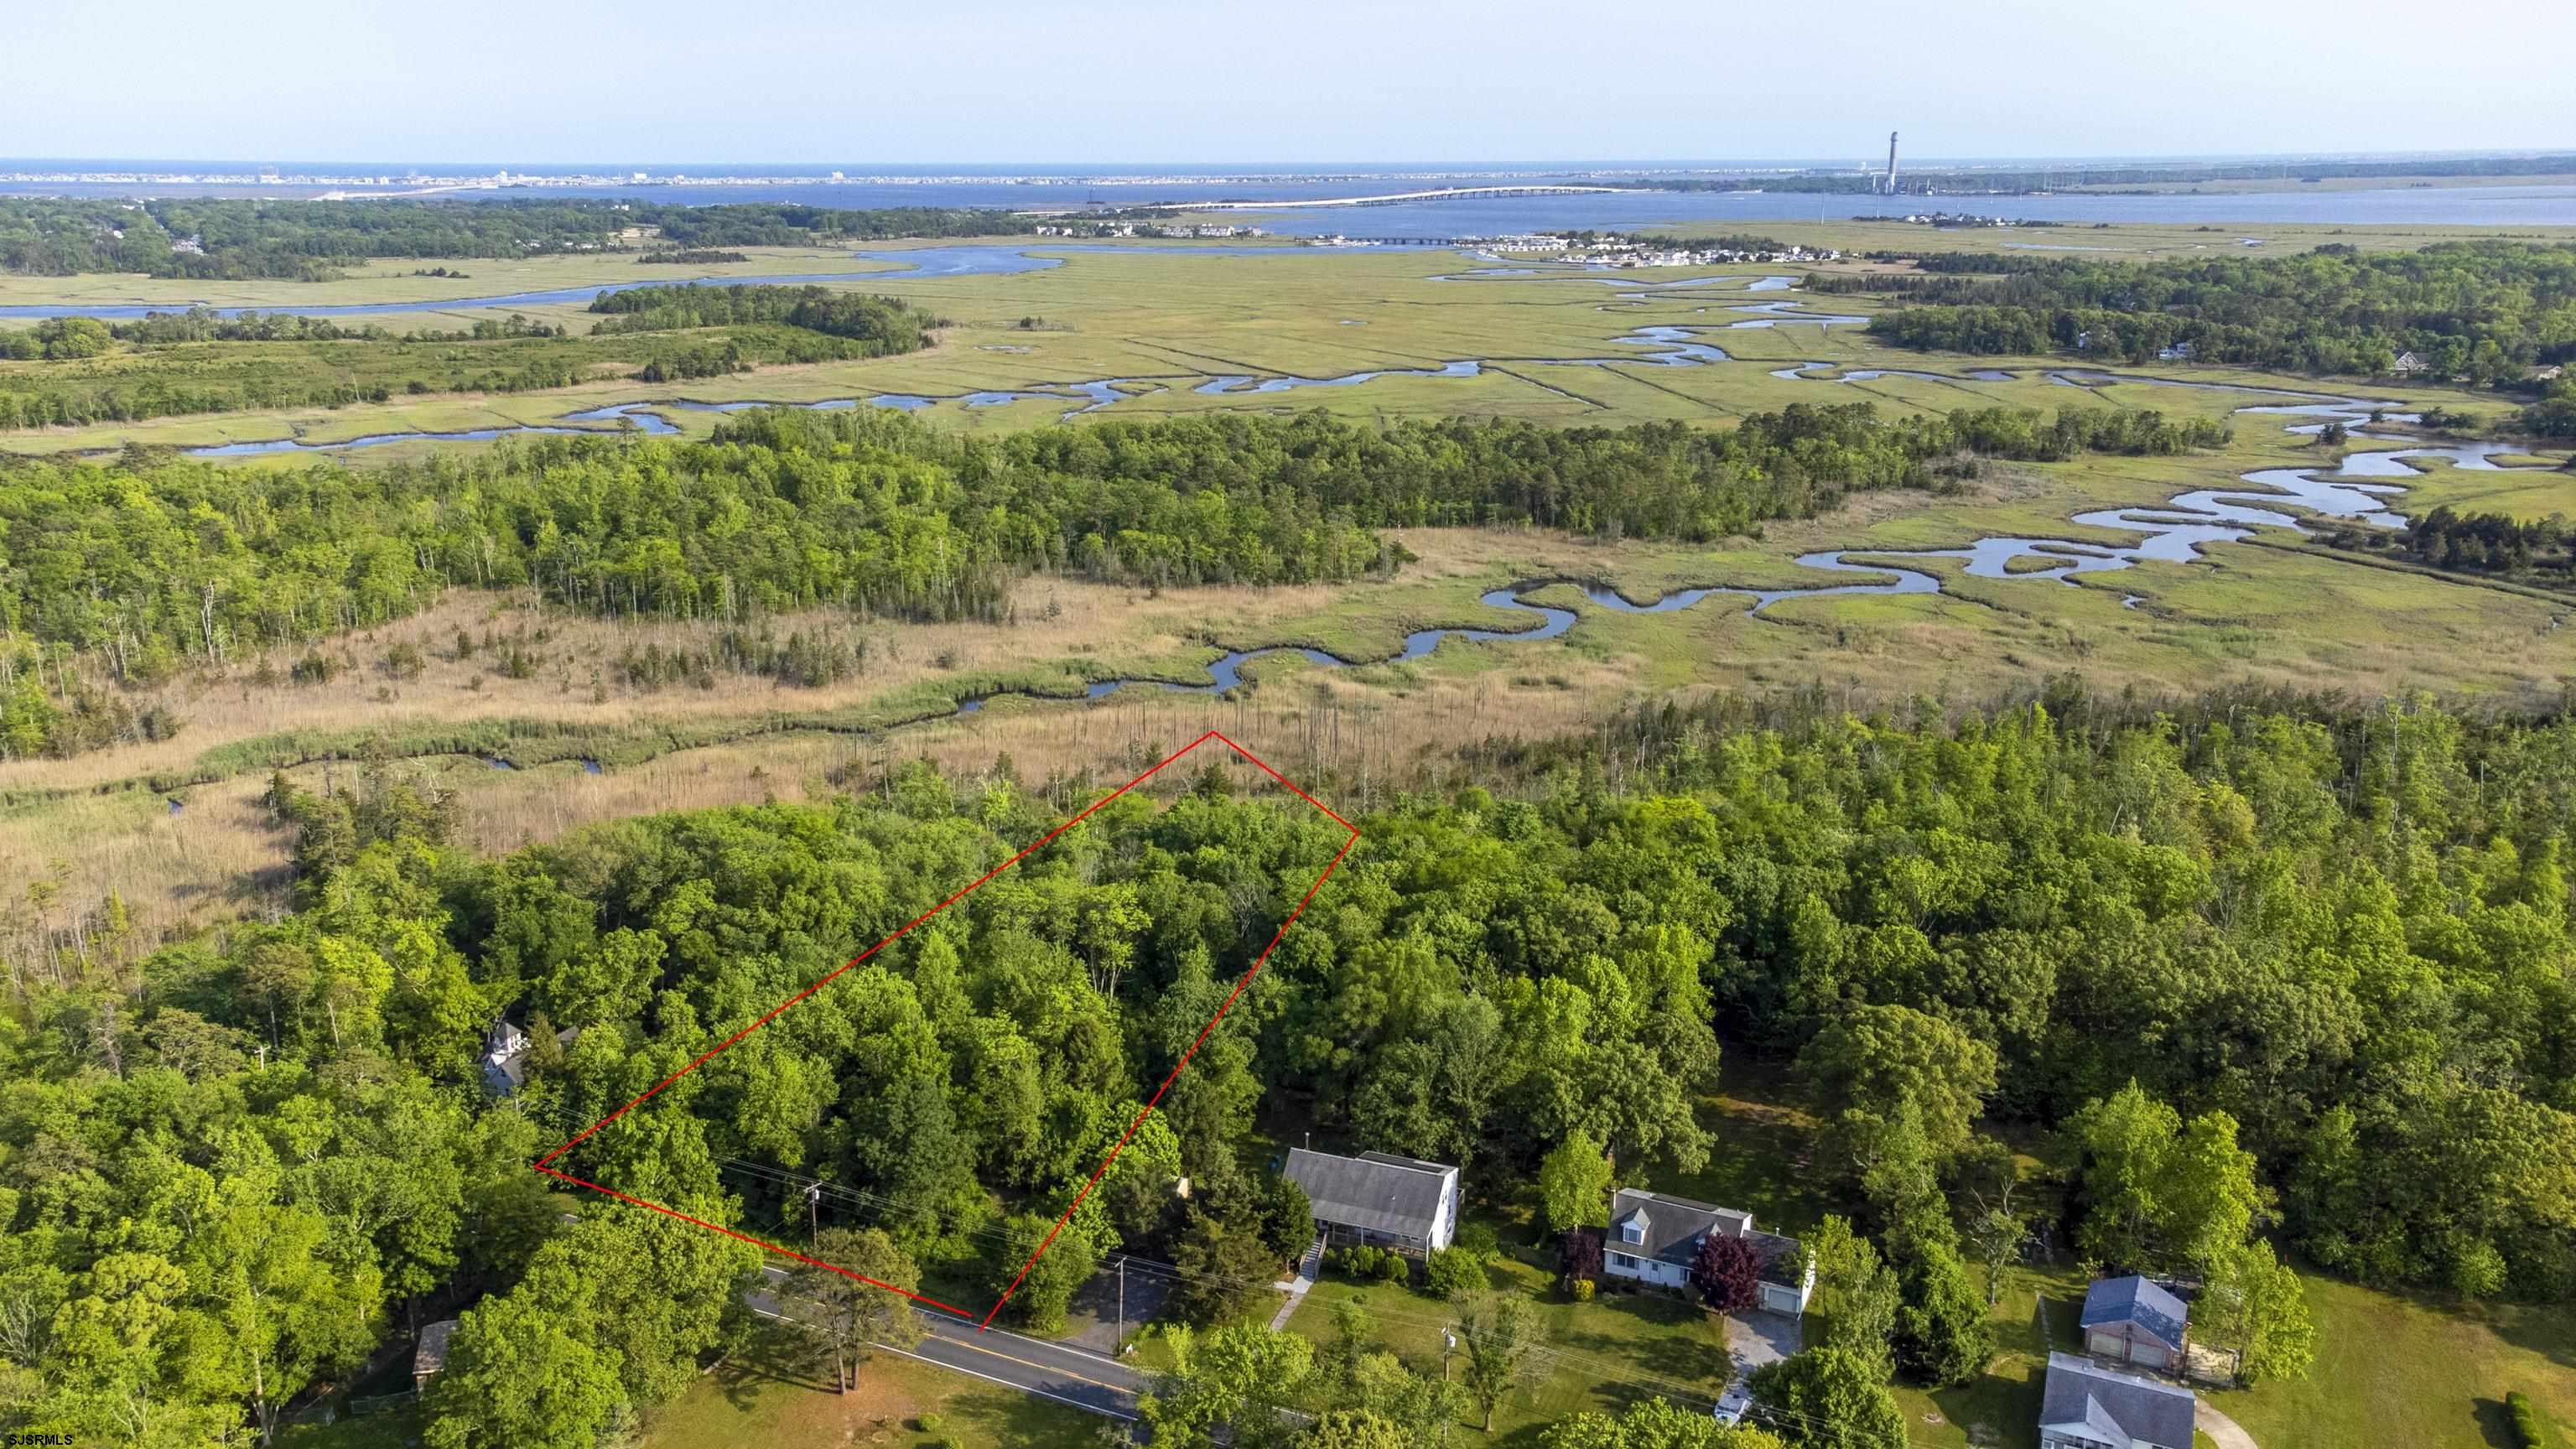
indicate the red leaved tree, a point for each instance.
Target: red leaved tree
{"x":1727,"y":1273}
{"x":1578,"y":1256}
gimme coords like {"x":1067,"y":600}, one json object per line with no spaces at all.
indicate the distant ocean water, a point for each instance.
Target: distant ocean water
{"x":1016,"y":187}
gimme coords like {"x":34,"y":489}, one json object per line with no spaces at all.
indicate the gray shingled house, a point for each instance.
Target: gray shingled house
{"x":2135,"y":1320}
{"x":2087,"y":1406}
{"x":1653,"y":1237}
{"x":1379,"y":1199}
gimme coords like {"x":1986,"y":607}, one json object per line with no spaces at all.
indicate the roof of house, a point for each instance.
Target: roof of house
{"x":1374,"y":1191}
{"x":2141,"y":1301}
{"x":1416,"y":1163}
{"x":2110,"y":1407}
{"x":1674,"y":1226}
{"x":505,"y":1067}
{"x":431,"y":1355}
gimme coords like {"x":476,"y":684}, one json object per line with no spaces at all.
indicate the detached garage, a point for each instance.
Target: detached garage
{"x":2137,"y":1321}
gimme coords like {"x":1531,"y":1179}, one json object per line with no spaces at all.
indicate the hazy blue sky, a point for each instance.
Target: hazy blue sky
{"x":845,"y":81}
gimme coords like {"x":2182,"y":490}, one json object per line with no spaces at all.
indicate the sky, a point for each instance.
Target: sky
{"x":851,"y":82}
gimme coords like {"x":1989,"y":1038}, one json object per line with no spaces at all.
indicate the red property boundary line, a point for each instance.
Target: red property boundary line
{"x":542,"y":1164}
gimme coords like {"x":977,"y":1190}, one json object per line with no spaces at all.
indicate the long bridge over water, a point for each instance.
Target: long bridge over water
{"x":1397,"y":198}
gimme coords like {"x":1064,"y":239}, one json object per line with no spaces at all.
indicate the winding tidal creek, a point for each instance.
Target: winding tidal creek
{"x":2358,"y":486}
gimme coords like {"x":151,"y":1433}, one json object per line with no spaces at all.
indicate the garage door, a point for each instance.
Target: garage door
{"x":1779,"y":1300}
{"x":2109,"y":1345}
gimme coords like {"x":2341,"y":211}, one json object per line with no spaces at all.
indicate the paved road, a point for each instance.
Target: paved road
{"x":1082,"y":1379}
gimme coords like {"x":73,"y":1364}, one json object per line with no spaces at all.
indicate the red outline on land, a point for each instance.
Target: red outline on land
{"x":1115,"y":1148}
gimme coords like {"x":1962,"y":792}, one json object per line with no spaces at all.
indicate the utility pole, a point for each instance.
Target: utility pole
{"x":814,"y":1216}
{"x":1119,"y":1344}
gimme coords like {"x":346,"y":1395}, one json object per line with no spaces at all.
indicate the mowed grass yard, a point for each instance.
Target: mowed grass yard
{"x":769,"y":1393}
{"x":752,"y":1406}
{"x":2410,"y":1370}
{"x":1618,"y":1349}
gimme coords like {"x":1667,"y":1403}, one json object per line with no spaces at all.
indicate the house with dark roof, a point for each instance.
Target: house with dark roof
{"x":1653,"y":1238}
{"x":1378,"y":1199}
{"x":2135,"y":1320}
{"x":2087,"y":1406}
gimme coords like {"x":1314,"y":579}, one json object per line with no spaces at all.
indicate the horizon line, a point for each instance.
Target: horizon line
{"x":1314,"y":164}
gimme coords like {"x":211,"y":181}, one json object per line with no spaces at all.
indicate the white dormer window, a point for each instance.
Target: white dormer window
{"x":1634,"y":1229}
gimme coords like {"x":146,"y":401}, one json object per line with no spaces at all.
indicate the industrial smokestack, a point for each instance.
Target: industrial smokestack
{"x":1891,"y":163}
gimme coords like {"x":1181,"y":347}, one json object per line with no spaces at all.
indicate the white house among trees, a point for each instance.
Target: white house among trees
{"x":1379,"y":1199}
{"x":1653,"y":1238}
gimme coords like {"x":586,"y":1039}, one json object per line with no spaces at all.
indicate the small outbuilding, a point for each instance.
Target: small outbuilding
{"x":2135,"y":1320}
{"x":429,"y":1357}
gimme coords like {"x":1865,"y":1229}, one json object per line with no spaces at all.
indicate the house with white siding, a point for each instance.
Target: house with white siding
{"x":1653,"y":1238}
{"x":1378,"y":1199}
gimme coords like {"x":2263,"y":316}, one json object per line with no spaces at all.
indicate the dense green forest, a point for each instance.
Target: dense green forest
{"x":2497,"y":544}
{"x":315,"y":240}
{"x":161,"y":365}
{"x":689,"y":256}
{"x":2248,"y":977}
{"x":139,"y":570}
{"x":881,"y":326}
{"x":2485,"y":312}
{"x":2554,"y":416}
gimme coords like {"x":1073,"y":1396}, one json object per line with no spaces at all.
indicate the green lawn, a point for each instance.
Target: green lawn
{"x":1605,"y":1354}
{"x":767,"y":1396}
{"x":2414,"y":1370}
{"x":2034,"y":1314}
